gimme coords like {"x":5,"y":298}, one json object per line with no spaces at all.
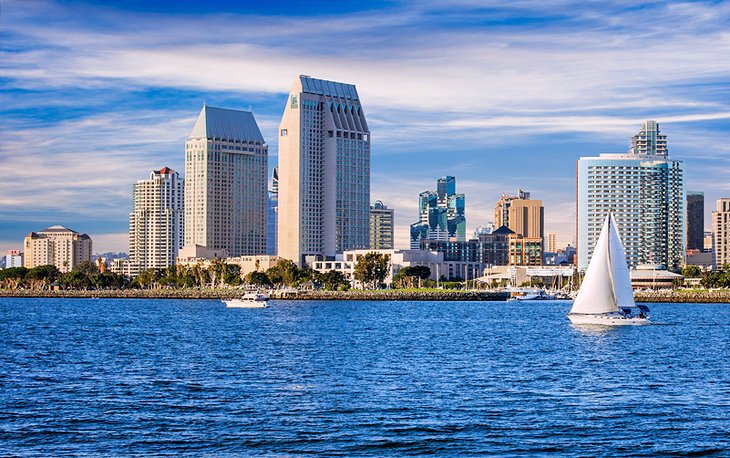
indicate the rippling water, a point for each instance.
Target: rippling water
{"x":358,"y":378}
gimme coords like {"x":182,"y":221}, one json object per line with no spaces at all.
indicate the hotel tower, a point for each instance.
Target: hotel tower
{"x":644,"y":190}
{"x":324,"y":172}
{"x":226,"y":167}
{"x":156,"y":221}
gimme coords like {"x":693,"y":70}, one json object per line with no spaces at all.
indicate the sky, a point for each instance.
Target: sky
{"x":503,"y":95}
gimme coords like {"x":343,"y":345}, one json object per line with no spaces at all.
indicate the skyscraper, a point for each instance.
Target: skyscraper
{"x":156,"y":221}
{"x":721,"y":234}
{"x":58,"y":246}
{"x":441,"y":214}
{"x":273,"y":213}
{"x":226,"y":164}
{"x":645,"y":192}
{"x":521,"y":214}
{"x":695,"y":220}
{"x":381,"y":227}
{"x":324,"y":171}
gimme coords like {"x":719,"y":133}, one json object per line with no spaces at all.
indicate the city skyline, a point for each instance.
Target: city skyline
{"x":502,"y":97}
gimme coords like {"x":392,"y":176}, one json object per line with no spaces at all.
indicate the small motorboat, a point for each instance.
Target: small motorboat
{"x":252,"y":300}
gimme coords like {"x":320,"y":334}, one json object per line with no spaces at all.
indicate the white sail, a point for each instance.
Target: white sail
{"x":620,"y":269}
{"x":596,"y":294}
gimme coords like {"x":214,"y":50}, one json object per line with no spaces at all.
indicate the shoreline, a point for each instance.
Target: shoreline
{"x":722,"y":296}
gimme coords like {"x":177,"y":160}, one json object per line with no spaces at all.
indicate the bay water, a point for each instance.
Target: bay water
{"x":190,"y":377}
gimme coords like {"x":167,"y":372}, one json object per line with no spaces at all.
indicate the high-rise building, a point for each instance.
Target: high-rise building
{"x":58,"y":246}
{"x":552,"y":242}
{"x":644,"y":190}
{"x":14,"y":258}
{"x":649,"y":142}
{"x":381,"y":226}
{"x":721,"y":234}
{"x":226,"y":167}
{"x":695,"y":220}
{"x":324,"y":171}
{"x":441,"y":214}
{"x":273,"y":213}
{"x":156,"y":221}
{"x":521,"y":214}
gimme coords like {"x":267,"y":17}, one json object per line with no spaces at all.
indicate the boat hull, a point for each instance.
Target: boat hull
{"x":606,"y":319}
{"x":239,"y":304}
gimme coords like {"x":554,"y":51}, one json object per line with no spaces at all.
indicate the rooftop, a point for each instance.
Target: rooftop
{"x":227,"y":124}
{"x":329,"y":88}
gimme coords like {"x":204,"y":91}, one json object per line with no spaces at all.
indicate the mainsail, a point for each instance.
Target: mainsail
{"x":607,"y":283}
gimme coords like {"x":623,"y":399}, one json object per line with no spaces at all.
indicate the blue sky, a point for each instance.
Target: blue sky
{"x":501,"y":94}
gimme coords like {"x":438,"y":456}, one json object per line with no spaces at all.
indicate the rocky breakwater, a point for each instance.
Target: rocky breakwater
{"x":398,"y":295}
{"x":692,"y":296}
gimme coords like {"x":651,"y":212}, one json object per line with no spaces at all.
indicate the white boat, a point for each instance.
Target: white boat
{"x":606,"y":297}
{"x":528,"y":294}
{"x":252,"y":300}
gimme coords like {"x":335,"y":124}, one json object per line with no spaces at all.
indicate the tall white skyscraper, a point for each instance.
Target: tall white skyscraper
{"x":324,"y":171}
{"x":226,"y":163}
{"x":645,"y":192}
{"x":156,"y":221}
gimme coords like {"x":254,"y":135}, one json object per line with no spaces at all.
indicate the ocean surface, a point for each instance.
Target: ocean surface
{"x":185,"y":377}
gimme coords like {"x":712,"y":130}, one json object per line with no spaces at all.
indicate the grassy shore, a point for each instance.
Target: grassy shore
{"x":696,"y":296}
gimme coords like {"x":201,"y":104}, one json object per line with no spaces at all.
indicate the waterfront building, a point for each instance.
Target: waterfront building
{"x":156,"y":221}
{"x":721,"y":233}
{"x":273,"y":213}
{"x":14,"y":258}
{"x":441,"y":214}
{"x":552,"y":242}
{"x":324,"y":171}
{"x":398,"y":259}
{"x":644,"y":190}
{"x":226,"y":167}
{"x":695,"y":220}
{"x":381,"y":226}
{"x":58,"y":246}
{"x":502,"y":247}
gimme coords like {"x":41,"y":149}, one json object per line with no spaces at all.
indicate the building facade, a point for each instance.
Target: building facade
{"x":502,"y":247}
{"x":521,"y":214}
{"x":441,"y":214}
{"x":695,"y":220}
{"x":644,"y":190}
{"x":226,"y":167}
{"x":552,"y":242}
{"x":156,"y":222}
{"x":382,"y":228}
{"x":14,"y":258}
{"x":58,"y":246}
{"x":721,"y":234}
{"x":324,"y":172}
{"x":273,"y":210}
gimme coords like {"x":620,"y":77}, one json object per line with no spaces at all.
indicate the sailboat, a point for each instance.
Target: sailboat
{"x":605,"y":296}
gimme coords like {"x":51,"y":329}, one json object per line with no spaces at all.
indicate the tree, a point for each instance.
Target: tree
{"x":257,"y":279}
{"x":12,"y":277}
{"x":333,"y":280}
{"x":691,"y":271}
{"x":372,"y":268}
{"x":285,"y":272}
